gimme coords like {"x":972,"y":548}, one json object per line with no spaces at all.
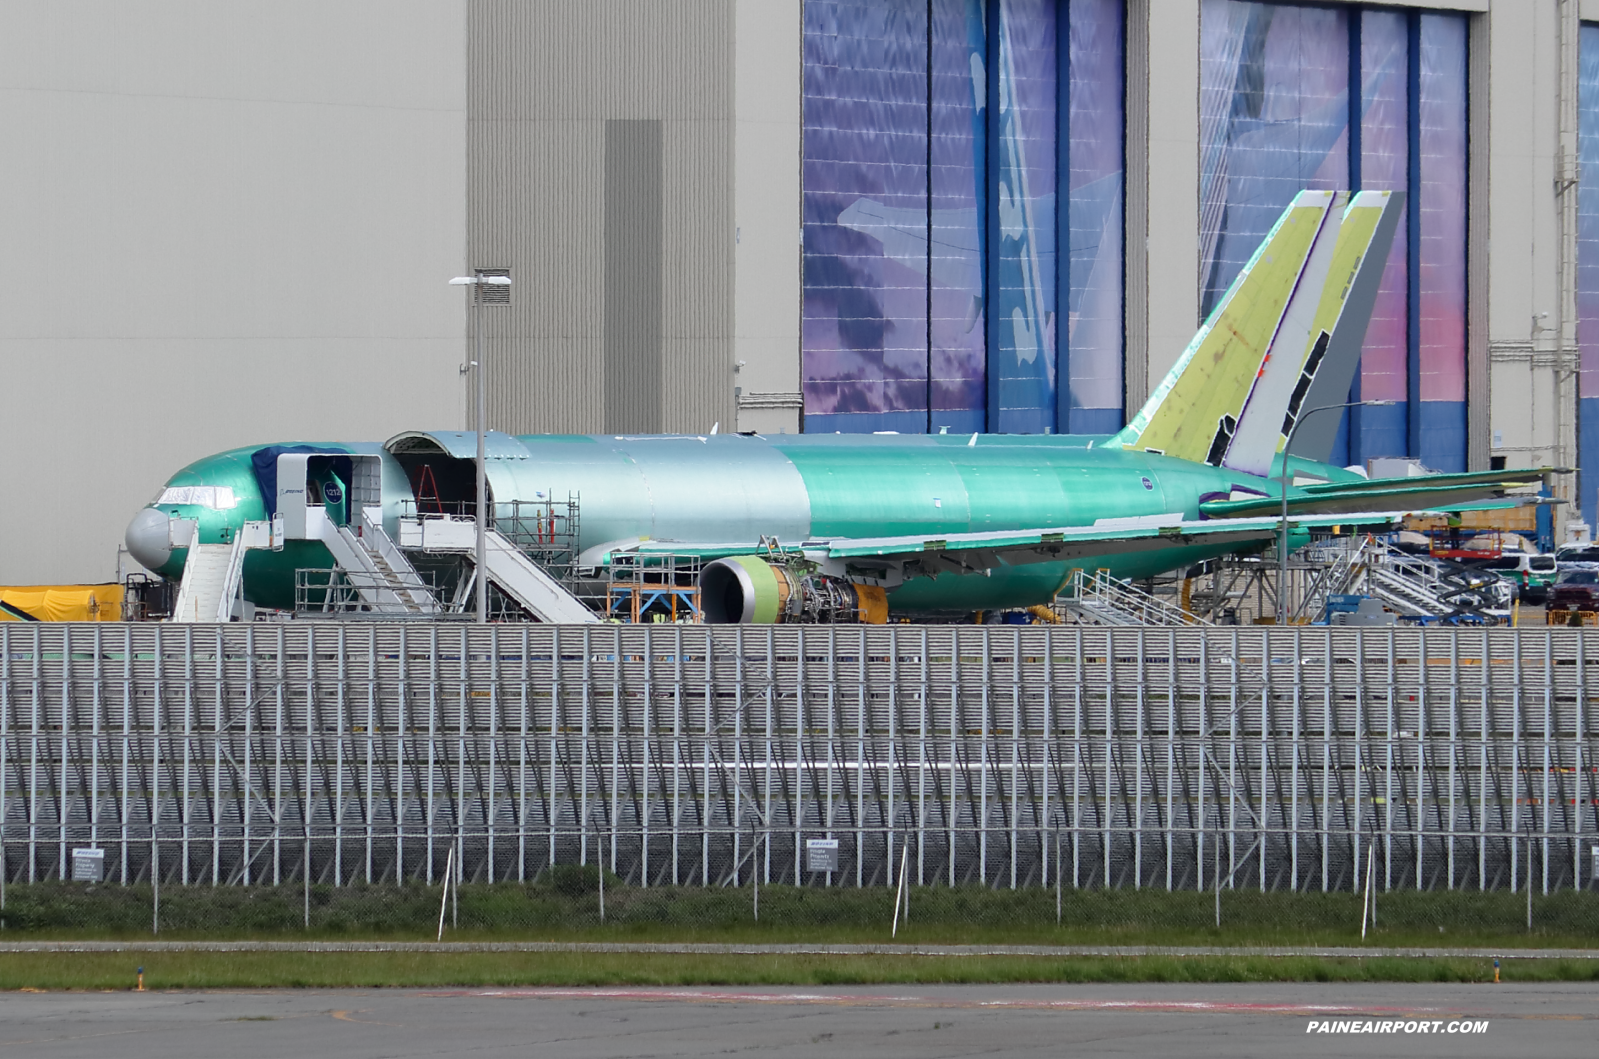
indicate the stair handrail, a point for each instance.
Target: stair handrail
{"x":1110,"y":598}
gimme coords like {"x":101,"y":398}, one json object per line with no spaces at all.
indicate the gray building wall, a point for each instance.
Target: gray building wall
{"x":600,"y":172}
{"x":224,"y":224}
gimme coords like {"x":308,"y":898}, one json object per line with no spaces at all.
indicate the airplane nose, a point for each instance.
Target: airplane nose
{"x":150,"y":539}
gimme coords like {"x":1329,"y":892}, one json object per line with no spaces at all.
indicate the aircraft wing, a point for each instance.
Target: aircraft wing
{"x":1433,"y":492}
{"x":925,"y":554}
{"x":971,"y":552}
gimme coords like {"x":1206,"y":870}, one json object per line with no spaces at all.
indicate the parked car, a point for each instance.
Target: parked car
{"x":1575,"y":590}
{"x":1577,"y":557}
{"x":1531,"y":574}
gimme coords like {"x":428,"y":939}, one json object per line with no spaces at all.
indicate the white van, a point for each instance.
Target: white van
{"x":1531,"y":573}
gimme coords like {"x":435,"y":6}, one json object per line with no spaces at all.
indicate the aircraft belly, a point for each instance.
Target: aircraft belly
{"x":1037,"y":583}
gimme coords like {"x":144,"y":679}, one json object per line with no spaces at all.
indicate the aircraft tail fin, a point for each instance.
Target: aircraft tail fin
{"x":1287,"y":330}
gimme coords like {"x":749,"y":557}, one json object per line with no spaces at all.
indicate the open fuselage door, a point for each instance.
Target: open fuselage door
{"x":337,"y":500}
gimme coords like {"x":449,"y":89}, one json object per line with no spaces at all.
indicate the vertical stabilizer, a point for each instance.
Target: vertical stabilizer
{"x":1195,"y":411}
{"x":1286,"y":338}
{"x":1294,"y":350}
{"x":1365,"y":237}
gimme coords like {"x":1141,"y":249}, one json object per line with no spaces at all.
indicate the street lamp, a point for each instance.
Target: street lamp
{"x":477,"y":281}
{"x":1282,"y":547}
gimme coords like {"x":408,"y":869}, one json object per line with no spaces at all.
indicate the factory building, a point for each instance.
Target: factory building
{"x":234,"y":224}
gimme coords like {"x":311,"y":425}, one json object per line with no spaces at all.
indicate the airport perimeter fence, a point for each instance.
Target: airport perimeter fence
{"x":987,"y":782}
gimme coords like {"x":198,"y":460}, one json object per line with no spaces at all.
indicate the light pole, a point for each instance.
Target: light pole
{"x":1282,"y":546}
{"x":477,"y":281}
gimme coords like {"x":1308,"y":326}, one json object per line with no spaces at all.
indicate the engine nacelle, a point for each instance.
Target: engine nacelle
{"x":749,"y":590}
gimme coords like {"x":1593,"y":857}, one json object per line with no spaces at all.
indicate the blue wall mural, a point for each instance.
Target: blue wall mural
{"x":1298,"y":97}
{"x":1588,"y":271}
{"x":963,"y":204}
{"x":941,"y":140}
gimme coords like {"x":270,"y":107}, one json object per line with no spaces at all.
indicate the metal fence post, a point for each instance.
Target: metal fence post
{"x":155,"y":882}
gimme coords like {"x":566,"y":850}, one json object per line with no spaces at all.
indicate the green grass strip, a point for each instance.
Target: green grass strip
{"x":257,"y":970}
{"x":564,"y":907}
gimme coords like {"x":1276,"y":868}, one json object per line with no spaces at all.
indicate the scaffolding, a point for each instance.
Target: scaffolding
{"x":1277,"y":758}
{"x":659,"y":587}
{"x":546,"y":530}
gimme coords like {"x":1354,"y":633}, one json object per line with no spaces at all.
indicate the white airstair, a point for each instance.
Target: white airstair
{"x":203,"y":595}
{"x":1418,"y":585}
{"x":1099,"y":599}
{"x":375,"y":568}
{"x":516,"y":575}
{"x":213,"y":574}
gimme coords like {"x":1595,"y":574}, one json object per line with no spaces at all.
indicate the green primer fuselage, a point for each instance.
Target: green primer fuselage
{"x":722,"y":493}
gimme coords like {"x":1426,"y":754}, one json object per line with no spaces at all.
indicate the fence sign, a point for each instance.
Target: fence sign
{"x":88,"y":865}
{"x":821,"y":854}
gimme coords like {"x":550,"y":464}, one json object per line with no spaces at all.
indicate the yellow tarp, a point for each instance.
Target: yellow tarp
{"x":64,"y":602}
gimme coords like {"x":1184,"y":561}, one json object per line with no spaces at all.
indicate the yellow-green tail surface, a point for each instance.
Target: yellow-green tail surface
{"x":1232,"y":396}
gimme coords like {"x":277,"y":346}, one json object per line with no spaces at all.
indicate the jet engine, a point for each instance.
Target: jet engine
{"x":752,"y":590}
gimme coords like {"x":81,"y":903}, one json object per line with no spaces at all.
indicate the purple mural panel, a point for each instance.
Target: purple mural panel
{"x":1021,"y":218}
{"x":864,"y":324}
{"x":1588,"y":213}
{"x":1093,"y":338}
{"x":1442,"y":138}
{"x":1588,"y":271}
{"x":959,"y":90}
{"x":1385,"y":166}
{"x":1274,"y":120}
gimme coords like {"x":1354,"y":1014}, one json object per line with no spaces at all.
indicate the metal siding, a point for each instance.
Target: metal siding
{"x":1477,"y":401}
{"x":543,"y":81}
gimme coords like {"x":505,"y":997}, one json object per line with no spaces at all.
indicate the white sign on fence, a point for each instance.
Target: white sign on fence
{"x":821,"y":854}
{"x":88,"y":865}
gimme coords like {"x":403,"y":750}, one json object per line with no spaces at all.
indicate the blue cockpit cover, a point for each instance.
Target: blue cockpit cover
{"x":265,"y":464}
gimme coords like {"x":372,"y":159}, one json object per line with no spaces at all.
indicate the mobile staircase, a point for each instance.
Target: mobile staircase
{"x":212,"y":588}
{"x":377,"y":569}
{"x":1421,"y":587}
{"x":506,"y":565}
{"x":1099,"y":599}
